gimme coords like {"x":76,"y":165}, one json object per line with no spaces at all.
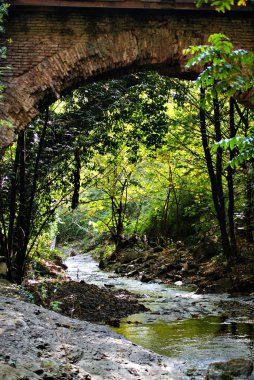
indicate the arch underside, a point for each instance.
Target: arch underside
{"x":63,"y":51}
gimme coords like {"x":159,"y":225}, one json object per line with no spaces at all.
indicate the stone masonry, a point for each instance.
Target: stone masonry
{"x":54,"y":50}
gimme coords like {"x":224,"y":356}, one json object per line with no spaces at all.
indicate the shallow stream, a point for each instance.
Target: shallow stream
{"x":192,"y":329}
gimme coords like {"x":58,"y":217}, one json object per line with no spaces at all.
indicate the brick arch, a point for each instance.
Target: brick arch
{"x":53,"y":52}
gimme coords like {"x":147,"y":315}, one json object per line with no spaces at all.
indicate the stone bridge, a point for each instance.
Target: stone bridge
{"x":58,"y":45}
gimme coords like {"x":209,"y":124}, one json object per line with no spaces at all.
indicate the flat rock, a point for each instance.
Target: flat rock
{"x":37,"y":343}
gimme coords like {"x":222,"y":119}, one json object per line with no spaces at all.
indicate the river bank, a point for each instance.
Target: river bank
{"x":182,"y":266}
{"x":85,"y":301}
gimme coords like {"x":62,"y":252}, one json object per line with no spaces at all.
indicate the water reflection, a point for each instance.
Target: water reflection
{"x":235,"y":328}
{"x":196,"y":341}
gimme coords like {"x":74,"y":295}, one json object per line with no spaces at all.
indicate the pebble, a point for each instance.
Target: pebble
{"x":178,"y":283}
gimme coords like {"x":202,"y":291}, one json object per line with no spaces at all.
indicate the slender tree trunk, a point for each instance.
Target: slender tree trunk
{"x":10,"y":259}
{"x":3,"y":232}
{"x":217,"y":195}
{"x":119,"y":226}
{"x":19,"y":234}
{"x":164,"y":218}
{"x":21,"y":229}
{"x":36,"y":173}
{"x":76,"y":175}
{"x":12,"y":213}
{"x":219,"y":169}
{"x":220,"y":193}
{"x":28,"y":207}
{"x":249,"y":202}
{"x":141,"y":202}
{"x":230,"y":181}
{"x":3,"y":229}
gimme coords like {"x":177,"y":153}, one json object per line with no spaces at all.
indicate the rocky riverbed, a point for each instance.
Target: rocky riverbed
{"x":198,"y":330}
{"x":37,"y":343}
{"x":179,"y":264}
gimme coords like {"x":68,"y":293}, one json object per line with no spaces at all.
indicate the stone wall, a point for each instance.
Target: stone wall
{"x":54,"y":50}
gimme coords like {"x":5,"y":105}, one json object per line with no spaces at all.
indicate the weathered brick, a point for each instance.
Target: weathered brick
{"x":54,"y":50}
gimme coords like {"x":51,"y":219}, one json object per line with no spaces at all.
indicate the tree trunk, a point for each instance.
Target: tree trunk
{"x":217,"y":193}
{"x":12,"y":212}
{"x":21,"y":207}
{"x":76,"y":175}
{"x":21,"y":227}
{"x":249,"y":203}
{"x":230,"y":181}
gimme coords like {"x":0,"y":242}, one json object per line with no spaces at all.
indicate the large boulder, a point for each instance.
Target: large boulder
{"x":205,"y":249}
{"x":239,"y":368}
{"x":127,"y":256}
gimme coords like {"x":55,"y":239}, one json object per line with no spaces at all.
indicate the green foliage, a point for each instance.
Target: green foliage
{"x":3,"y":49}
{"x":27,"y":294}
{"x":44,"y":245}
{"x":3,"y":13}
{"x":154,"y":202}
{"x":221,"y":5}
{"x":130,"y":110}
{"x":40,"y":271}
{"x":72,"y":226}
{"x":168,"y":194}
{"x":244,"y":145}
{"x":55,"y":306}
{"x":225,"y":70}
{"x":119,"y":119}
